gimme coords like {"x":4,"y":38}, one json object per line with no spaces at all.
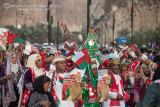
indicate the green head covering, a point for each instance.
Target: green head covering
{"x":124,"y":63}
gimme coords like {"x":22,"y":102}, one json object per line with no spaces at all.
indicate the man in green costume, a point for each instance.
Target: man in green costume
{"x":90,"y":80}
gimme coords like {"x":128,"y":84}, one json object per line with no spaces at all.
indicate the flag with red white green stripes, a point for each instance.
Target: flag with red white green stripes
{"x":132,"y":12}
{"x":106,"y":24}
{"x":82,"y":59}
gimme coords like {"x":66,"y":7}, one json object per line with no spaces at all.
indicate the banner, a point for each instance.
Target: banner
{"x":102,"y":86}
{"x":72,"y":89}
{"x":132,"y":53}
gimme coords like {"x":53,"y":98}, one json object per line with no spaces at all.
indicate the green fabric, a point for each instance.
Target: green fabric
{"x":124,"y":63}
{"x":90,"y":2}
{"x":150,"y":96}
{"x":100,"y":94}
{"x":52,"y":81}
{"x":68,"y":93}
{"x":92,"y":50}
{"x":94,"y":82}
{"x":19,"y":40}
{"x":2,"y":47}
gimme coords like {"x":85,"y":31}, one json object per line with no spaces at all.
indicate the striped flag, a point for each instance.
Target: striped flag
{"x":106,"y":24}
{"x":90,"y":2}
{"x":132,"y":12}
{"x":82,"y":59}
{"x":102,"y":28}
{"x":114,"y":20}
{"x":62,"y":26}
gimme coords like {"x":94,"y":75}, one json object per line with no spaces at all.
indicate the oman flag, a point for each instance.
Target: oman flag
{"x":82,"y":59}
{"x":18,"y":41}
{"x":11,"y":37}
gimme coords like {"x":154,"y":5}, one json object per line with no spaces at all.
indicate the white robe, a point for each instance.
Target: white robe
{"x":113,"y":95}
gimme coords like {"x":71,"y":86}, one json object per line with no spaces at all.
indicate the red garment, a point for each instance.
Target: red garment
{"x":11,"y":37}
{"x":43,"y":58}
{"x":115,"y":88}
{"x":106,"y":63}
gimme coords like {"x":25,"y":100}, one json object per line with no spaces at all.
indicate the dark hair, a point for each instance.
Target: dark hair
{"x":22,"y":59}
{"x":156,"y":59}
{"x":143,"y":50}
{"x":39,"y":82}
{"x":51,"y":54}
{"x":156,"y":75}
{"x":33,"y":52}
{"x":154,"y":53}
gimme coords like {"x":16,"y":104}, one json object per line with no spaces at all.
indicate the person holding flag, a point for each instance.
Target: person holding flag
{"x":90,"y":80}
{"x":117,"y":95}
{"x":57,"y":82}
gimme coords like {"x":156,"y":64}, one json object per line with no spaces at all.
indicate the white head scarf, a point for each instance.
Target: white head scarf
{"x":9,"y":71}
{"x":32,"y":64}
{"x":96,"y":61}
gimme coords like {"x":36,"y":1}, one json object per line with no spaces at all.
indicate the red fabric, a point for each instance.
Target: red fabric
{"x":114,"y":88}
{"x":11,"y":37}
{"x":65,"y":27}
{"x":134,"y":65}
{"x":27,"y":92}
{"x":70,"y":52}
{"x":62,"y":25}
{"x":87,"y":55}
{"x":148,"y":82}
{"x":95,"y":30}
{"x":106,"y":23}
{"x":43,"y":58}
{"x":79,"y":101}
{"x":106,"y":63}
{"x":102,"y":28}
{"x":132,"y":9}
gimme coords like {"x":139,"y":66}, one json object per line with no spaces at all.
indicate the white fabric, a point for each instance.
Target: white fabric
{"x":113,"y":95}
{"x":58,"y":90}
{"x":31,"y":63}
{"x":52,"y":67}
{"x":78,"y":56}
{"x":144,"y":56}
{"x":116,"y":54}
{"x":57,"y":59}
{"x":14,"y":68}
{"x":122,"y":47}
{"x":76,"y":70}
{"x":96,"y":62}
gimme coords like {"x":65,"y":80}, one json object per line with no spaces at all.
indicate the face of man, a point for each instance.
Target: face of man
{"x":60,"y":65}
{"x":115,"y":68}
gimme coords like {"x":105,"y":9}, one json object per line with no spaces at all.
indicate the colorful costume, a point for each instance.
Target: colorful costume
{"x":31,"y":73}
{"x":10,"y":87}
{"x":94,"y":82}
{"x":116,"y":88}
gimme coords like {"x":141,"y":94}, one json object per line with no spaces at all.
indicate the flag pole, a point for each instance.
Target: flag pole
{"x":113,"y":28}
{"x":88,"y":12}
{"x":49,"y":24}
{"x":105,"y":36}
{"x":57,"y":33}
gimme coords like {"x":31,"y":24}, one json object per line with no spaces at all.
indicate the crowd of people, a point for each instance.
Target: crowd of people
{"x":36,"y":80}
